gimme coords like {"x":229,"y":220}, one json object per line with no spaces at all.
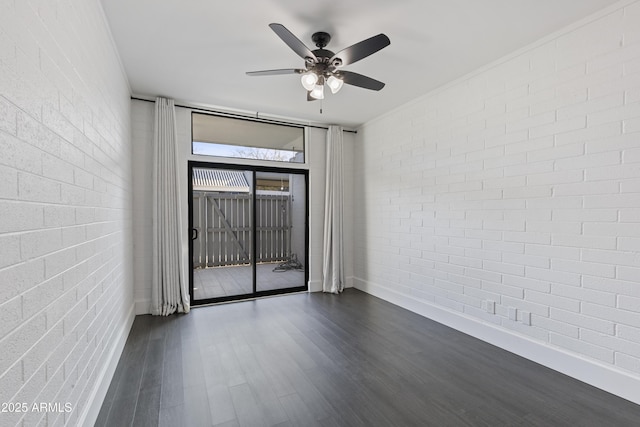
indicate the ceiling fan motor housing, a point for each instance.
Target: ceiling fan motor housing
{"x":323,"y":66}
{"x":322,"y":39}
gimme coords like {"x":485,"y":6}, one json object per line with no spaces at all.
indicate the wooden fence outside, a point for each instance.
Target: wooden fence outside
{"x":223,"y":225}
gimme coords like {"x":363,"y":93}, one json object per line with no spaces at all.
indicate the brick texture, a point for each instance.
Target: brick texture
{"x":518,"y":184}
{"x":65,"y":204}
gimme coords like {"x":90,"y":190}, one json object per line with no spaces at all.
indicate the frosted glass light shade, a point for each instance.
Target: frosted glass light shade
{"x":309,"y":80}
{"x":335,"y":84}
{"x":317,"y":92}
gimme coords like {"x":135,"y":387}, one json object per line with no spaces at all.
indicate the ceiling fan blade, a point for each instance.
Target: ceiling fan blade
{"x":361,"y":50}
{"x":276,"y":72}
{"x":359,"y":80}
{"x":293,"y":42}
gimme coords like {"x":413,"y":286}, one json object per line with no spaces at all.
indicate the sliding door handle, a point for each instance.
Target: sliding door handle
{"x":194,"y":233}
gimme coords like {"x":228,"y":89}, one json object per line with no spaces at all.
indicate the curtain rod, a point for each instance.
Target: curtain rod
{"x":244,"y":116}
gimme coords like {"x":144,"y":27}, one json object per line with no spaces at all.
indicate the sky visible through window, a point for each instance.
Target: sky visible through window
{"x":238,"y":151}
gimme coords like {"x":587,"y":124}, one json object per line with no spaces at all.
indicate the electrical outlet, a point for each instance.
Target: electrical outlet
{"x":490,"y":306}
{"x":513,"y":313}
{"x":526,"y":317}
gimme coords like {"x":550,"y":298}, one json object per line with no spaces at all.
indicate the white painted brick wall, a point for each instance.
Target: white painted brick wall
{"x":522,"y":182}
{"x":65,"y":204}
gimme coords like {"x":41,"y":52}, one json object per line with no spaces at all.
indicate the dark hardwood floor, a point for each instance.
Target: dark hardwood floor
{"x":327,"y":360}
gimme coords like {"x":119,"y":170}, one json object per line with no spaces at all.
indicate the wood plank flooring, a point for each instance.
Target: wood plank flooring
{"x":327,"y":360}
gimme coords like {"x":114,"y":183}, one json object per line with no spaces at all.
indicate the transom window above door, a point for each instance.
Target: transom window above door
{"x":243,"y":138}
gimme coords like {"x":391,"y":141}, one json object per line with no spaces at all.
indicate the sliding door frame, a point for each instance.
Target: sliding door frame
{"x":191,"y":164}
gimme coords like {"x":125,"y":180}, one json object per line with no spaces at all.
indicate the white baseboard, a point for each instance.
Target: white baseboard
{"x":90,"y":414}
{"x":607,"y":378}
{"x":348,"y":282}
{"x":143,"y":306}
{"x":316,"y":285}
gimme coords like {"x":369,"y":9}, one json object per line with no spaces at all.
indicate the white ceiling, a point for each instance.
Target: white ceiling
{"x":199,"y":50}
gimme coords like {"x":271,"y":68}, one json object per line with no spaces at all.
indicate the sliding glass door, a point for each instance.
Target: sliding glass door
{"x":222,"y":233}
{"x":280,"y":230}
{"x":249,"y":232}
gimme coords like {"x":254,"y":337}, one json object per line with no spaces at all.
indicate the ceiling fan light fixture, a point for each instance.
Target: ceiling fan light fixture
{"x":317,"y":92}
{"x":309,"y":80}
{"x":321,"y":65}
{"x":335,"y":84}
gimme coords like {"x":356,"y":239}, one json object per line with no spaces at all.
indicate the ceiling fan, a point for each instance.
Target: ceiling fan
{"x":323,"y":66}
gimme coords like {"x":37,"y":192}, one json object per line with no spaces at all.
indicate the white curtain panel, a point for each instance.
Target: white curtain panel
{"x":169,"y":288}
{"x":333,"y":246}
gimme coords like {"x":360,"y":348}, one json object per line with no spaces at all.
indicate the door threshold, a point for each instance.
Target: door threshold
{"x":284,"y":294}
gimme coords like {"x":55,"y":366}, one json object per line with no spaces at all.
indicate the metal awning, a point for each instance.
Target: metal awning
{"x":220,"y":180}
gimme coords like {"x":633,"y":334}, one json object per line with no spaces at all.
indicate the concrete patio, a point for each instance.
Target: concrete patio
{"x":236,"y":280}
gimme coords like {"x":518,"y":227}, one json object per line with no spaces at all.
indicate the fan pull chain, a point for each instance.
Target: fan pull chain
{"x":320,"y":106}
